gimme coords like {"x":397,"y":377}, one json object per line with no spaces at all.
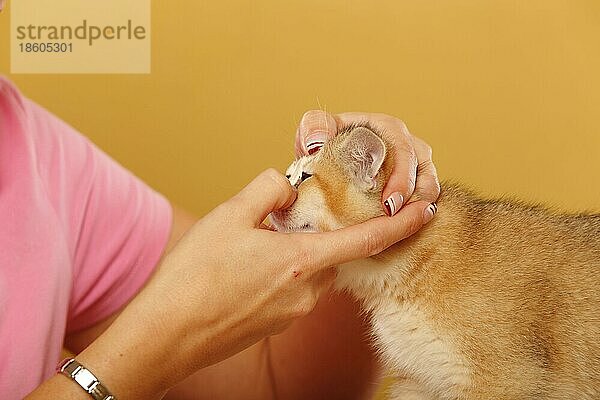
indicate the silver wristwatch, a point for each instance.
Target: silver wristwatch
{"x":83,"y":377}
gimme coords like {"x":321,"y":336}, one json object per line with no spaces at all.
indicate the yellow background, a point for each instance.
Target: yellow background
{"x":507,"y":92}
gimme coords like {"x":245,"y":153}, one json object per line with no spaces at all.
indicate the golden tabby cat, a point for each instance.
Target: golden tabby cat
{"x":493,"y":299}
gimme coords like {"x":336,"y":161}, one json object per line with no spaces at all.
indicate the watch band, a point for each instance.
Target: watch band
{"x":83,"y":377}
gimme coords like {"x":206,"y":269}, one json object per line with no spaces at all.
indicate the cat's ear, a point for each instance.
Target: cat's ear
{"x":363,"y":153}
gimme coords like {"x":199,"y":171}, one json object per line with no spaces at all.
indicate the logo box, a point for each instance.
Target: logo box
{"x":80,"y":36}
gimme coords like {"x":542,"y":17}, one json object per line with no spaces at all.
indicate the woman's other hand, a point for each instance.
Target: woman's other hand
{"x":414,"y":176}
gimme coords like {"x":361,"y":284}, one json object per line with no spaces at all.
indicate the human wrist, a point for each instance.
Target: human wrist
{"x":79,"y":374}
{"x":137,"y":356}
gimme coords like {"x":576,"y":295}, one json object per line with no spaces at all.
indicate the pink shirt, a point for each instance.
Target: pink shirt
{"x":79,"y":236}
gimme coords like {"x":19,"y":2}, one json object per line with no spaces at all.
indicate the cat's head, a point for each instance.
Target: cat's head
{"x":338,"y":186}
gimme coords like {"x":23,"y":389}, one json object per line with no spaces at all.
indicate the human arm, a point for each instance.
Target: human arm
{"x":227,"y":284}
{"x":326,"y":352}
{"x":329,"y":349}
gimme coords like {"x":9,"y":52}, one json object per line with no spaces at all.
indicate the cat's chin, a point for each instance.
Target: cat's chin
{"x":279,"y":227}
{"x":285,"y":225}
{"x":301,"y":228}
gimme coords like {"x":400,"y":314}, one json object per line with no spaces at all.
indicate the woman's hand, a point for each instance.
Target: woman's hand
{"x":413,"y":177}
{"x":228,"y":283}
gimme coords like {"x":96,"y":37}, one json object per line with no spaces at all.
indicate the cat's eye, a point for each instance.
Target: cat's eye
{"x":305,"y":176}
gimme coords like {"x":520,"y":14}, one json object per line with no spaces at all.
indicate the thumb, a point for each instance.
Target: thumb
{"x":315,"y":128}
{"x":368,"y":238}
{"x":268,"y":192}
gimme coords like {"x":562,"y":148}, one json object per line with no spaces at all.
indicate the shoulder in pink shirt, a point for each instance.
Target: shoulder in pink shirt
{"x":79,"y":236}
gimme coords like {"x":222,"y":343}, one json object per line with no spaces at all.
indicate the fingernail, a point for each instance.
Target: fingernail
{"x":393,"y":203}
{"x":315,"y":141}
{"x":429,"y":212}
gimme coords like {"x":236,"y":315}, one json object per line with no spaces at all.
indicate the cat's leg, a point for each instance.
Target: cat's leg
{"x":407,"y":389}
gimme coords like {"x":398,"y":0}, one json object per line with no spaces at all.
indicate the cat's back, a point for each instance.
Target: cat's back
{"x":515,"y":287}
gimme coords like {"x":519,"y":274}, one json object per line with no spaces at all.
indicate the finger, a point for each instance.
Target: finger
{"x":427,"y":186}
{"x":268,"y":192}
{"x":315,"y":128}
{"x":401,"y":183}
{"x":368,"y":238}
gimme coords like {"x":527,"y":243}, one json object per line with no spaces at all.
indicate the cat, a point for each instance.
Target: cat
{"x":492,"y":299}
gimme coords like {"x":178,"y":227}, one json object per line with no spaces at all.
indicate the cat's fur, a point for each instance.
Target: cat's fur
{"x":493,"y":299}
